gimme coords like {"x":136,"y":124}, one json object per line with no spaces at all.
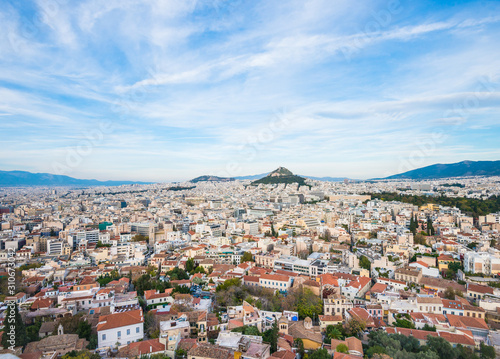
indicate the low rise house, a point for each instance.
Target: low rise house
{"x":121,"y":328}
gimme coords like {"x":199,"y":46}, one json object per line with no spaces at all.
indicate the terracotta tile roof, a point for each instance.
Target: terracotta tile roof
{"x":459,"y":321}
{"x":151,"y":294}
{"x":276,"y":277}
{"x":452,"y":304}
{"x":378,"y":288}
{"x":329,"y":279}
{"x":331,"y":318}
{"x":479,"y":288}
{"x":40,"y":303}
{"x":284,"y":354}
{"x":297,"y":330}
{"x":146,"y":347}
{"x":208,"y":351}
{"x":311,"y":283}
{"x":422,"y":264}
{"x":117,"y":320}
{"x":187,"y":344}
{"x":457,"y":338}
{"x":362,"y":315}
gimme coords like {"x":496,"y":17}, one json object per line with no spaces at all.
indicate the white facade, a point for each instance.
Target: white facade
{"x":122,"y":335}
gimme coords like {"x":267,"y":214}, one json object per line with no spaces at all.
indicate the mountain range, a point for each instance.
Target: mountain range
{"x":23,"y":178}
{"x":459,"y":169}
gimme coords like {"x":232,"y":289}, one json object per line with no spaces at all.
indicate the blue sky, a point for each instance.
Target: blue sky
{"x":172,"y":89}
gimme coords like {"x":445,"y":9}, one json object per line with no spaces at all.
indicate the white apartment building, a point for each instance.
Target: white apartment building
{"x":292,"y":264}
{"x":55,"y":246}
{"x":481,"y":262}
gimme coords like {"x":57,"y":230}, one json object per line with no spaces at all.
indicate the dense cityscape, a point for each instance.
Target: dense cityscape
{"x":249,"y":179}
{"x":244,"y":269}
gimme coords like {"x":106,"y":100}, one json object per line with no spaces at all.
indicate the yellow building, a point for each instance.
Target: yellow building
{"x":444,"y":260}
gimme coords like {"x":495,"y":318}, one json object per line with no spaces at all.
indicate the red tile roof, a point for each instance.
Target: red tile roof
{"x":117,"y":320}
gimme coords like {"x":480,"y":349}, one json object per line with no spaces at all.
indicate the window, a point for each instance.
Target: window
{"x":104,"y":337}
{"x":128,"y":331}
{"x":137,"y":330}
{"x":119,"y":334}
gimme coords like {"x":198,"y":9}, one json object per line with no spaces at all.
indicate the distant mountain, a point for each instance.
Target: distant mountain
{"x":328,"y":179}
{"x":23,"y":178}
{"x":207,"y":178}
{"x":252,"y":177}
{"x":280,"y":175}
{"x":460,"y":169}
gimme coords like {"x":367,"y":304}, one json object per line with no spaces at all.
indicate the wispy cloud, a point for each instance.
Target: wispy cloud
{"x":195,"y":85}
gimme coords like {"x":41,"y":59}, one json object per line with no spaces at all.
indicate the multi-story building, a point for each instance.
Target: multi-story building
{"x":336,"y":304}
{"x":481,"y":262}
{"x":275,"y":282}
{"x":292,"y":264}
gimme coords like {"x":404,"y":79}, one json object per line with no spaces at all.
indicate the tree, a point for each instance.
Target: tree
{"x":449,"y":293}
{"x":404,"y":323}
{"x":84,"y":330}
{"x":413,"y":225}
{"x":100,"y":245}
{"x":333,"y":332}
{"x":420,"y":239}
{"x":376,"y":349}
{"x":429,"y":328}
{"x":140,"y":238}
{"x":177,"y":274}
{"x":455,"y":266}
{"x":92,"y":342}
{"x":487,"y":351}
{"x":247,"y":330}
{"x":309,"y":304}
{"x":441,"y":347}
{"x":200,"y":269}
{"x":189,"y":265}
{"x":14,"y":334}
{"x":273,"y":232}
{"x":364,"y":263}
{"x":342,"y":348}
{"x":180,"y":353}
{"x":246,"y":257}
{"x":228,"y":283}
{"x":272,"y":336}
{"x":320,"y":354}
{"x":299,"y":344}
{"x":465,"y":352}
{"x":33,"y":330}
{"x":430,"y":227}
{"x":472,"y":245}
{"x":353,"y":327}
